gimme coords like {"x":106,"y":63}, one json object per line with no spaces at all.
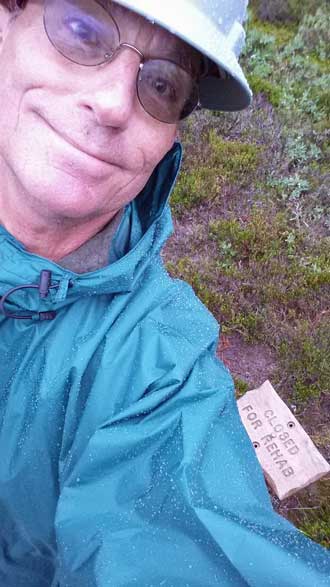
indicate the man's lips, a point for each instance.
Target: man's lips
{"x":73,"y":143}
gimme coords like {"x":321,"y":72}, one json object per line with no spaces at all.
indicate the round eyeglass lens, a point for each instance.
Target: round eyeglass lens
{"x":81,"y":30}
{"x":166,"y":91}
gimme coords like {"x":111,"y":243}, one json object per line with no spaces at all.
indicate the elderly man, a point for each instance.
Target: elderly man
{"x":123,"y":458}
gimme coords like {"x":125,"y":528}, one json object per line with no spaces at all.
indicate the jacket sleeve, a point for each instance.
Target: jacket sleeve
{"x":169,"y":492}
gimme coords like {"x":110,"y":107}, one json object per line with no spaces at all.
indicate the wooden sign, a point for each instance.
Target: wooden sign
{"x":288,"y":457}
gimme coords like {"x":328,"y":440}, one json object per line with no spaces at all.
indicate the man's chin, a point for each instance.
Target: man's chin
{"x":76,"y":200}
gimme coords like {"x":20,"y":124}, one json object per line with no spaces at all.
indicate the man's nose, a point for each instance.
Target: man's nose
{"x":112,"y":94}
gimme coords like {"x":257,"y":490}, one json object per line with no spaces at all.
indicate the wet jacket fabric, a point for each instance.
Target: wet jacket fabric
{"x":123,"y":458}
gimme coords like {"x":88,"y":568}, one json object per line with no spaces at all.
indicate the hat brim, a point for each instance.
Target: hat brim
{"x":228,"y":93}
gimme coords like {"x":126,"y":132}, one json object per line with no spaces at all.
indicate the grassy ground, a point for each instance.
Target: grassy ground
{"x":252,"y":214}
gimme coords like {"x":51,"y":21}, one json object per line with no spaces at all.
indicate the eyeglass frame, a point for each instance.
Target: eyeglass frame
{"x":110,"y":57}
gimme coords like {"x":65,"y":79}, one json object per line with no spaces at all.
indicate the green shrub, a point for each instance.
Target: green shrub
{"x":235,"y":161}
{"x":260,"y":85}
{"x":314,"y":33}
{"x":317,"y":526}
{"x":193,"y":187}
{"x":185,"y":269}
{"x":203,"y":175}
{"x":312,"y":515}
{"x":305,"y":358}
{"x":284,"y":10}
{"x":260,"y":239}
{"x":241,"y":387}
{"x":257,"y":234}
{"x":323,"y":102}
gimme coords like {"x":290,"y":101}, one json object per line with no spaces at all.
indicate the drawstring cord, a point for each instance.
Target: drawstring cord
{"x":43,"y":288}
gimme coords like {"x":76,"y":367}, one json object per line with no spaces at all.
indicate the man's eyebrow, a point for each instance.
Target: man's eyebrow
{"x":189,"y":60}
{"x":106,"y":4}
{"x":184,"y":57}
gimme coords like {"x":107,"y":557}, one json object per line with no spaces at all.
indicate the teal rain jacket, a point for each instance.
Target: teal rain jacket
{"x":123,"y":458}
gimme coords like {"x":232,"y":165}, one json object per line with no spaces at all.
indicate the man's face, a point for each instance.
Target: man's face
{"x":75,"y":139}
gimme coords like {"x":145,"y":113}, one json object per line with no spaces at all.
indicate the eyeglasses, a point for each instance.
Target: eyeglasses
{"x":85,"y":33}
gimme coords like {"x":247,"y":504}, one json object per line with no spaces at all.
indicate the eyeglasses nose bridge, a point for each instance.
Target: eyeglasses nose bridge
{"x":111,"y":56}
{"x":133,"y":49}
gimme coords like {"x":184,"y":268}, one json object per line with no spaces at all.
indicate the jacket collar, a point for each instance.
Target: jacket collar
{"x":93,"y":254}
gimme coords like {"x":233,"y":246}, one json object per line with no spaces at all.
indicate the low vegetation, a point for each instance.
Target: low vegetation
{"x":252,"y":213}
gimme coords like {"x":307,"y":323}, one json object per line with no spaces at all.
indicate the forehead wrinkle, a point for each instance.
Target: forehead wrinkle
{"x":153,"y":40}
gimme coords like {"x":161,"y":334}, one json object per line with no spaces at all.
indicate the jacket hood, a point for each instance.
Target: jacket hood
{"x":145,"y":226}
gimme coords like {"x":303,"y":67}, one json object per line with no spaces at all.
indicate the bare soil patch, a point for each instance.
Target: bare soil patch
{"x":253,"y":363}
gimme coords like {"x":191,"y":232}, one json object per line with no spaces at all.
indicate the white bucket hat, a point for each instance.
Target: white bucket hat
{"x":213,"y":27}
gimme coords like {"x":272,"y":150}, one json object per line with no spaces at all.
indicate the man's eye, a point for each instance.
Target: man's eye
{"x":163,"y":88}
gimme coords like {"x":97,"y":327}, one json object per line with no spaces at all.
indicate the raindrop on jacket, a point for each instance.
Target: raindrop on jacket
{"x":123,"y":458}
